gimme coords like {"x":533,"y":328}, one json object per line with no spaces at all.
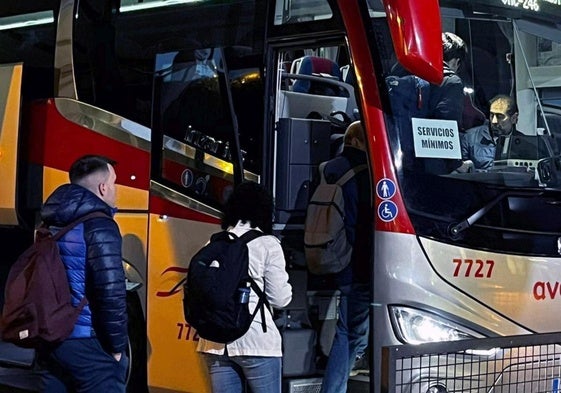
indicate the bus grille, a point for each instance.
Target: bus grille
{"x":513,"y":364}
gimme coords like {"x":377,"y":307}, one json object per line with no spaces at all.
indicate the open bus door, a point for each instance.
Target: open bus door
{"x":196,"y":162}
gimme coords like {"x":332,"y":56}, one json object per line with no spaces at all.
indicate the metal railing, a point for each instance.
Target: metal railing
{"x":513,"y":364}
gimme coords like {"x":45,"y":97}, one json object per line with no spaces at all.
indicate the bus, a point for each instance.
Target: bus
{"x":193,"y":97}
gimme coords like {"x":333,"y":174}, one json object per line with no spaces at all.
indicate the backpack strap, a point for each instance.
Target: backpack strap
{"x":64,"y":230}
{"x":250,"y":235}
{"x":321,"y":167}
{"x":345,"y":177}
{"x":263,"y":302}
{"x":350,"y":174}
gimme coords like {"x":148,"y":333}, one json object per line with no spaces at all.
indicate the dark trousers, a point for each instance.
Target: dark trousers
{"x":82,"y":366}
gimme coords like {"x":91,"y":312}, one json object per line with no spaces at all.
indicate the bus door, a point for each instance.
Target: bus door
{"x":314,"y":89}
{"x":206,"y":138}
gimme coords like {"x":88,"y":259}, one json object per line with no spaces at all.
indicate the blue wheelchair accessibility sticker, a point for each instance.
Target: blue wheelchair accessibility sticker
{"x":385,"y":188}
{"x":387,"y":211}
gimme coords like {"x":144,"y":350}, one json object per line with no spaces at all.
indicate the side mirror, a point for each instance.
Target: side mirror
{"x":417,"y":36}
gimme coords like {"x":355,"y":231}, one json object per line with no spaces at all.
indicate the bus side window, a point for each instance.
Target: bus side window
{"x":247,"y":87}
{"x":196,"y":123}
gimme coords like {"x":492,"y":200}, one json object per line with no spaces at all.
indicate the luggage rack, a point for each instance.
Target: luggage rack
{"x":524,"y":363}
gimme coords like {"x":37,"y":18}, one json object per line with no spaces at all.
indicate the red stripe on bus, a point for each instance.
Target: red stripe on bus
{"x":168,"y":208}
{"x":57,"y":142}
{"x":378,"y":144}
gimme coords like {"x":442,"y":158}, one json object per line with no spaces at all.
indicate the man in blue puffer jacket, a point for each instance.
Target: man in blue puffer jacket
{"x":93,"y":358}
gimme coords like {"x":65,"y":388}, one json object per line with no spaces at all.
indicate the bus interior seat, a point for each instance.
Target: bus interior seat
{"x":321,"y":67}
{"x":298,"y":337}
{"x":313,"y":65}
{"x":305,"y":96}
{"x":299,"y":105}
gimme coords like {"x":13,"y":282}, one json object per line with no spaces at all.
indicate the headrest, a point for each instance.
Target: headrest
{"x":318,"y":65}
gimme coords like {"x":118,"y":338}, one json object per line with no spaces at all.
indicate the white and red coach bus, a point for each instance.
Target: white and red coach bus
{"x":191,"y":97}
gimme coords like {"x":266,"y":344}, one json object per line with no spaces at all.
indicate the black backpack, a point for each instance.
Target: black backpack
{"x":216,"y":290}
{"x":38,"y":310}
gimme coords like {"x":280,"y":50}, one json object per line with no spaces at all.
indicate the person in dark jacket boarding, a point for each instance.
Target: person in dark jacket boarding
{"x":351,"y":335}
{"x":93,"y":358}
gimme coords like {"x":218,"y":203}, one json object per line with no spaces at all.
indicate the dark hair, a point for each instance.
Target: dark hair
{"x":250,"y":202}
{"x":511,"y":107}
{"x":453,"y":47}
{"x":86,"y":165}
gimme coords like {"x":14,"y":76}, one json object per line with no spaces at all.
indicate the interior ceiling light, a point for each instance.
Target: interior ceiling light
{"x":25,"y":20}
{"x":154,"y":4}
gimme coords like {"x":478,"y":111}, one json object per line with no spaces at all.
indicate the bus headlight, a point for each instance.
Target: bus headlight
{"x":414,"y":326}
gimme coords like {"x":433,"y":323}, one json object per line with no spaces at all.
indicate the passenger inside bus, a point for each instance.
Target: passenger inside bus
{"x":447,"y":100}
{"x":411,"y":97}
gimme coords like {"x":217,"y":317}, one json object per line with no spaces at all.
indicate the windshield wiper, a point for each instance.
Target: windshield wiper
{"x":455,"y":230}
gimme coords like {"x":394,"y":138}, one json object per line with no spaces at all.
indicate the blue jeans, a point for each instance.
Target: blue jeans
{"x":82,"y":366}
{"x":229,"y":374}
{"x":351,"y":337}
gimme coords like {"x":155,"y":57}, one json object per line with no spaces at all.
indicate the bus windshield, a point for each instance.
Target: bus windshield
{"x":461,"y":163}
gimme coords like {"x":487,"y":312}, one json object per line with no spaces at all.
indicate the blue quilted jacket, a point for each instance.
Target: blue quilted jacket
{"x":91,"y":252}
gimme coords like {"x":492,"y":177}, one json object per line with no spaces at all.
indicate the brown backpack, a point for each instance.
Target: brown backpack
{"x":37,"y":309}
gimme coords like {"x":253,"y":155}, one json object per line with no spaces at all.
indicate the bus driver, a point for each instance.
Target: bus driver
{"x":478,"y":144}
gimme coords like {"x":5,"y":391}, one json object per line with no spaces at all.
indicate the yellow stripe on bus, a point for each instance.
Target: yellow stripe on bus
{"x":128,"y":198}
{"x":10,"y":98}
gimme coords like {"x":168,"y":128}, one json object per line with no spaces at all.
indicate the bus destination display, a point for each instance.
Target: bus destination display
{"x":533,"y":5}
